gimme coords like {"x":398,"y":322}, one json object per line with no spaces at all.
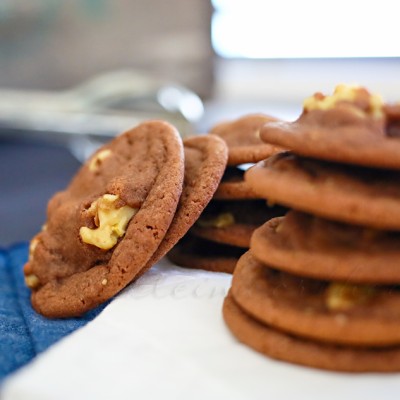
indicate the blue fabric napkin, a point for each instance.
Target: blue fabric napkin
{"x":23,"y":332}
{"x":15,"y":342}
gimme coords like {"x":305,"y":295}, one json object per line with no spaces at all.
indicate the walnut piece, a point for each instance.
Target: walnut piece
{"x":111,"y":222}
{"x":32,"y":246}
{"x":32,"y":281}
{"x":344,"y":296}
{"x":98,"y":158}
{"x":222,"y":220}
{"x":359,"y":100}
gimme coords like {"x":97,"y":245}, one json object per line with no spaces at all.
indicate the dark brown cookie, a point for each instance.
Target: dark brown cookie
{"x":340,"y":313}
{"x":197,"y":253}
{"x":243,"y":140}
{"x":354,"y":195}
{"x":205,"y":162}
{"x":102,"y":230}
{"x":351,"y":126}
{"x":233,"y":222}
{"x":234,"y":187}
{"x":282,"y":346}
{"x":310,"y":246}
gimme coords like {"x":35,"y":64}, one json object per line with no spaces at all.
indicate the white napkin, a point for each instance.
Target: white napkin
{"x":164,"y":337}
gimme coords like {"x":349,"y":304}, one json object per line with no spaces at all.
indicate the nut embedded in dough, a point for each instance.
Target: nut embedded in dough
{"x":220,"y":221}
{"x":111,"y":222}
{"x":98,"y":158}
{"x":359,"y":100}
{"x":344,"y":296}
{"x":32,"y":246}
{"x":32,"y":281}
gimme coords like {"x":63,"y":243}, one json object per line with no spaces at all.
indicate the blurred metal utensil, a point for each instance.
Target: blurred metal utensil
{"x":97,"y":110}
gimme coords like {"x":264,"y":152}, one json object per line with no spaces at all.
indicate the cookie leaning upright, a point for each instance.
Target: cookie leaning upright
{"x":205,"y":162}
{"x":102,"y":230}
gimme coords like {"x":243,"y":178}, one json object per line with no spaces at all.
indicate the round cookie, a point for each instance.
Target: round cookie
{"x":205,"y":162}
{"x":310,"y":246}
{"x":234,"y":187}
{"x":102,"y":230}
{"x":233,"y":222}
{"x":354,"y":195}
{"x":197,"y":253}
{"x":279,"y":345}
{"x":328,"y":312}
{"x":356,"y":130}
{"x":243,"y":140}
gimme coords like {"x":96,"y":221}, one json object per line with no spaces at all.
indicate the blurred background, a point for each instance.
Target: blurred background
{"x":73,"y":69}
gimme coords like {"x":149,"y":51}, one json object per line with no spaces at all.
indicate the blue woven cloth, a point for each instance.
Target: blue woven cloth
{"x":23,"y":332}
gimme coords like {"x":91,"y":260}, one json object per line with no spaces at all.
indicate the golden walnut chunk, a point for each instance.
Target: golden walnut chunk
{"x":32,"y":281}
{"x":344,"y":296}
{"x":111,"y":222}
{"x":359,"y":99}
{"x":32,"y":247}
{"x":222,"y":220}
{"x":98,"y":158}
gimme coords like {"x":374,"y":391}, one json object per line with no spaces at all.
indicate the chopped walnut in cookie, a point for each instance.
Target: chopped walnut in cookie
{"x":222,"y":220}
{"x":357,"y":98}
{"x":32,"y":281}
{"x":345,"y":296}
{"x":111,"y":222}
{"x":32,"y":247}
{"x":97,"y":159}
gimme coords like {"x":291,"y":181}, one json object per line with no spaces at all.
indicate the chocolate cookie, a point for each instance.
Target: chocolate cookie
{"x":233,"y":222}
{"x":234,"y":187}
{"x":205,"y":162}
{"x":340,"y":313}
{"x":310,"y":246}
{"x":355,"y":195}
{"x":102,"y":230}
{"x":197,"y":253}
{"x":351,"y":126}
{"x":282,"y":346}
{"x":243,"y":140}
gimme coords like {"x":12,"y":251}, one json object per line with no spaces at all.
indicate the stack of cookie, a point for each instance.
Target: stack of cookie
{"x":320,"y":286}
{"x":222,"y":233}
